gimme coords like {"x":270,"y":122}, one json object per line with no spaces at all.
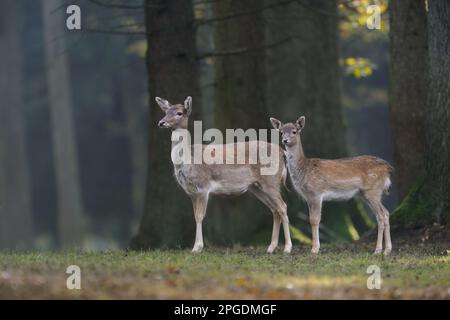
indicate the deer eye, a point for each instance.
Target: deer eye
{"x":179,"y":113}
{"x":294,"y":132}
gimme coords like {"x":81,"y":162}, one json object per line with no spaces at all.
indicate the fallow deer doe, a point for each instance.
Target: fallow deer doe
{"x":201,"y":180}
{"x":318,"y":180}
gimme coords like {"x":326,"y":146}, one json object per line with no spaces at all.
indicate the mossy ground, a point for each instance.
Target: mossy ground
{"x":420,"y":270}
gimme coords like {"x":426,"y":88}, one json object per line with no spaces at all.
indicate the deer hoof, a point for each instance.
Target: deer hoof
{"x":287,"y":249}
{"x":387,"y":251}
{"x":315,"y":250}
{"x":197,"y":249}
{"x":377,"y":251}
{"x":271,"y":249}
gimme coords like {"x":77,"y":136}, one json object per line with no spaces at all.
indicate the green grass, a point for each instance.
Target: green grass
{"x":339,"y":271}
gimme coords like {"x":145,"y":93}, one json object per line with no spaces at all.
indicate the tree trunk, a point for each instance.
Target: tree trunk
{"x":304,"y":76}
{"x":429,"y":199}
{"x":408,"y":37}
{"x":438,"y":111}
{"x":304,"y":79}
{"x":240,"y":102}
{"x":172,"y":68}
{"x":69,"y":200}
{"x":318,"y":80}
{"x":16,"y":221}
{"x":240,"y":79}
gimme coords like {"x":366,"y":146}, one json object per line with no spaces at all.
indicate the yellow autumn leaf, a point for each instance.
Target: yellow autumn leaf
{"x":367,"y":70}
{"x":362,"y":20}
{"x":350,"y":61}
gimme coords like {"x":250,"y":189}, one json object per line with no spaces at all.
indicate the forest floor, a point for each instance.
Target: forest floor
{"x":419,"y":270}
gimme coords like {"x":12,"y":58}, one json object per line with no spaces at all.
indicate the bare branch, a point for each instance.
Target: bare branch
{"x":64,"y":5}
{"x":263,"y":8}
{"x":240,"y":51}
{"x":199,"y":2}
{"x":117,"y":32}
{"x":245,"y":13}
{"x":318,"y":10}
{"x":118,"y":5}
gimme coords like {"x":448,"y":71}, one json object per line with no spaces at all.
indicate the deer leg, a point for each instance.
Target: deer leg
{"x":387,"y":232}
{"x":375,"y":205}
{"x":315,"y":213}
{"x":285,"y":220}
{"x":199,"y":202}
{"x":380,"y":223}
{"x":275,"y":233}
{"x":276,"y":218}
{"x":271,"y":197}
{"x":281,"y":209}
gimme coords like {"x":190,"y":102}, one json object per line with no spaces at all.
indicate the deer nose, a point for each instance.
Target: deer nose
{"x":161,"y":123}
{"x":285,"y":141}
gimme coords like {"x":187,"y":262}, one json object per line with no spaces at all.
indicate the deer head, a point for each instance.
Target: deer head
{"x":290,"y":132}
{"x":177,"y":115}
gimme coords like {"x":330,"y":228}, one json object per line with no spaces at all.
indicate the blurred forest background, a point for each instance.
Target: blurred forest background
{"x":82,"y":162}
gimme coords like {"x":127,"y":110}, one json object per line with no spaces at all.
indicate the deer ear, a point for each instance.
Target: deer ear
{"x":300,"y":123}
{"x":276,"y":123}
{"x":188,"y":105}
{"x":163,"y":104}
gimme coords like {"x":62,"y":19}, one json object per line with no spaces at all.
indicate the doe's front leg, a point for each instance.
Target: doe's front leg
{"x":315,"y":213}
{"x":275,"y":233}
{"x":199,"y":203}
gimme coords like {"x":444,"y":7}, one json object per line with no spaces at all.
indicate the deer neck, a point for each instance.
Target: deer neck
{"x":178,"y":132}
{"x":295,"y":153}
{"x":297,"y":164}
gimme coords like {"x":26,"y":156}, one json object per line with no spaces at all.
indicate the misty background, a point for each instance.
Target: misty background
{"x":78,"y":110}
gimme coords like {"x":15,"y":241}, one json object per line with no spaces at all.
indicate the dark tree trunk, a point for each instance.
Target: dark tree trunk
{"x":318,"y":81}
{"x":16,"y":221}
{"x":429,"y":199}
{"x":304,"y":74}
{"x":240,"y":102}
{"x":240,"y":79}
{"x":304,"y":79}
{"x":407,"y":97}
{"x":69,"y":199}
{"x":168,"y":219}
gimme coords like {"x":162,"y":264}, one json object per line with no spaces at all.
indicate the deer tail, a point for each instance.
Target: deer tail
{"x":387,"y":181}
{"x":387,"y":186}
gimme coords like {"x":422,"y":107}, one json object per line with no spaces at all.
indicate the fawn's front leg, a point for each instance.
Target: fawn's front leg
{"x":199,"y":203}
{"x":315,"y":212}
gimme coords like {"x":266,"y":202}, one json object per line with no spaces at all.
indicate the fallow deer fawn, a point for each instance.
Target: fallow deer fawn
{"x":318,"y":180}
{"x":201,"y":180}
